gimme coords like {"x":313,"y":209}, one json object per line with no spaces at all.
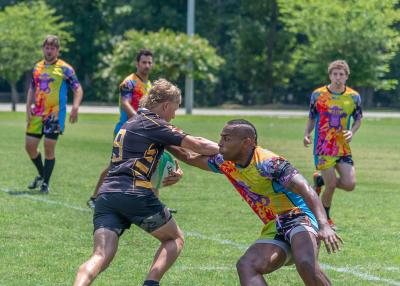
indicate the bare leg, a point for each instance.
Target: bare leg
{"x":49,"y":148}
{"x":31,"y":146}
{"x":329,"y":176}
{"x":172,"y":241}
{"x":305,"y":254}
{"x":259,"y":259}
{"x":347,"y":177}
{"x":105,"y":247}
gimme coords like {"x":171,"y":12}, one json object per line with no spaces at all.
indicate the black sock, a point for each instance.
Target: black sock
{"x":38,"y":164}
{"x":48,"y":169}
{"x":320,"y":181}
{"x":151,"y":283}
{"x":327,"y":211}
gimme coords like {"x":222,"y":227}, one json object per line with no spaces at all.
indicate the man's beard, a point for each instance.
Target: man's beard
{"x":50,"y":58}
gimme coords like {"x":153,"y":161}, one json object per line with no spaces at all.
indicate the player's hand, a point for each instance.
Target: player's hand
{"x":174,"y":177}
{"x":330,"y":238}
{"x":73,"y":116}
{"x":348,"y":135}
{"x":307,"y":140}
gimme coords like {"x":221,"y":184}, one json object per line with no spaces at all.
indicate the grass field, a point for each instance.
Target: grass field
{"x":44,"y":239}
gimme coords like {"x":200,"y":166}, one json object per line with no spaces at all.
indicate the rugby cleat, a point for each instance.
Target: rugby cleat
{"x":44,"y":189}
{"x":35,"y":183}
{"x":318,"y":182}
{"x":173,"y":211}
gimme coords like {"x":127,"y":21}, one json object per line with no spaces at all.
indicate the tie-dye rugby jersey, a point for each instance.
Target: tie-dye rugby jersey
{"x":50,"y":83}
{"x":262,"y":184}
{"x":133,"y":89}
{"x":332,"y":113}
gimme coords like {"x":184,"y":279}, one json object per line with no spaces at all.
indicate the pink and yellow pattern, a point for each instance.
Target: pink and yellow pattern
{"x":50,"y":85}
{"x":332,"y":113}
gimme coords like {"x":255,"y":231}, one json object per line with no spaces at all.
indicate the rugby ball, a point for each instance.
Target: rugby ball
{"x":166,"y":165}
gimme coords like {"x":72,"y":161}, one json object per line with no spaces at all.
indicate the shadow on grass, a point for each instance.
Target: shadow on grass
{"x":22,"y":192}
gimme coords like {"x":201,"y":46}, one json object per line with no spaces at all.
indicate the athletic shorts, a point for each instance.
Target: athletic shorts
{"x":117,"y":211}
{"x":325,"y":162}
{"x":281,"y":231}
{"x":38,"y":126}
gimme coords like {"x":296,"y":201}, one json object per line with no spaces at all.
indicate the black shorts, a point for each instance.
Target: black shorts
{"x":53,"y":136}
{"x":117,"y":211}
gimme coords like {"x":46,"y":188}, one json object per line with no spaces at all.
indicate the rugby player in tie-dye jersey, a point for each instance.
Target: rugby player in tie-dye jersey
{"x":48,"y":91}
{"x":332,"y":108}
{"x":293,"y":217}
{"x":132,"y":89}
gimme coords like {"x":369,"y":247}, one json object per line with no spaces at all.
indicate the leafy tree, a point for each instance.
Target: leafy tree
{"x":358,"y":31}
{"x":23,"y":28}
{"x":172,"y":51}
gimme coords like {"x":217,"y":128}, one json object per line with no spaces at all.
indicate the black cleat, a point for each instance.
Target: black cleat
{"x":44,"y":189}
{"x":35,"y":183}
{"x":172,"y":211}
{"x":91,"y":203}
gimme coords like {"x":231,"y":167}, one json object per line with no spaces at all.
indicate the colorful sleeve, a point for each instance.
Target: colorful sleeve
{"x":126,"y":88}
{"x":313,"y":108}
{"x":214,"y":162}
{"x":357,"y":113}
{"x":70,"y":77}
{"x":278,"y":169}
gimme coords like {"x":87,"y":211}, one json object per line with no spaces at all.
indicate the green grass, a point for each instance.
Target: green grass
{"x":43,"y":243}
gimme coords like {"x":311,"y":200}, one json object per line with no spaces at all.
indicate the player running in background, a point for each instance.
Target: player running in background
{"x":289,"y":208}
{"x":48,"y":91}
{"x":331,"y":109}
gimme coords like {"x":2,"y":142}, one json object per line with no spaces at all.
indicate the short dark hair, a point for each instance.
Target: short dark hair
{"x":250,"y":131}
{"x":52,"y":41}
{"x":143,"y":52}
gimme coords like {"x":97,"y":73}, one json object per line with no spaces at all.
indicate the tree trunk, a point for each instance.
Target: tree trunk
{"x":270,"y":45}
{"x":367,"y":96}
{"x":14,"y":95}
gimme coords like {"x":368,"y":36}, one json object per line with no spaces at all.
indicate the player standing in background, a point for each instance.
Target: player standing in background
{"x":48,"y":91}
{"x":331,"y":110}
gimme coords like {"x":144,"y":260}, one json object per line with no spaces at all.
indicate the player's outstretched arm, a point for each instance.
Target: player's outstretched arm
{"x":190,"y":158}
{"x":200,"y":145}
{"x":299,"y":185}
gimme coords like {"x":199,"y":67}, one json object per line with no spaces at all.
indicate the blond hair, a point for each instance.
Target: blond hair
{"x":51,"y":40}
{"x":340,"y":65}
{"x":161,"y":91}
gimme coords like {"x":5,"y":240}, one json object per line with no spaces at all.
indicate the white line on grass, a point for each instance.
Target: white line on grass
{"x":347,"y":270}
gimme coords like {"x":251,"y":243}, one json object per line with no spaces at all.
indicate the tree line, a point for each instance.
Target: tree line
{"x":245,"y":52}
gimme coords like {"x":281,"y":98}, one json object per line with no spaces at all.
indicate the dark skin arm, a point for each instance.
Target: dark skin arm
{"x":189,"y":157}
{"x":300,"y":186}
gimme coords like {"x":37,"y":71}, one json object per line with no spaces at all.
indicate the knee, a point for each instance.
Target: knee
{"x":49,"y":154}
{"x":350,"y":185}
{"x":309,"y":267}
{"x":180,"y":240}
{"x":248,"y":264}
{"x":32,"y":152}
{"x":242,"y":265}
